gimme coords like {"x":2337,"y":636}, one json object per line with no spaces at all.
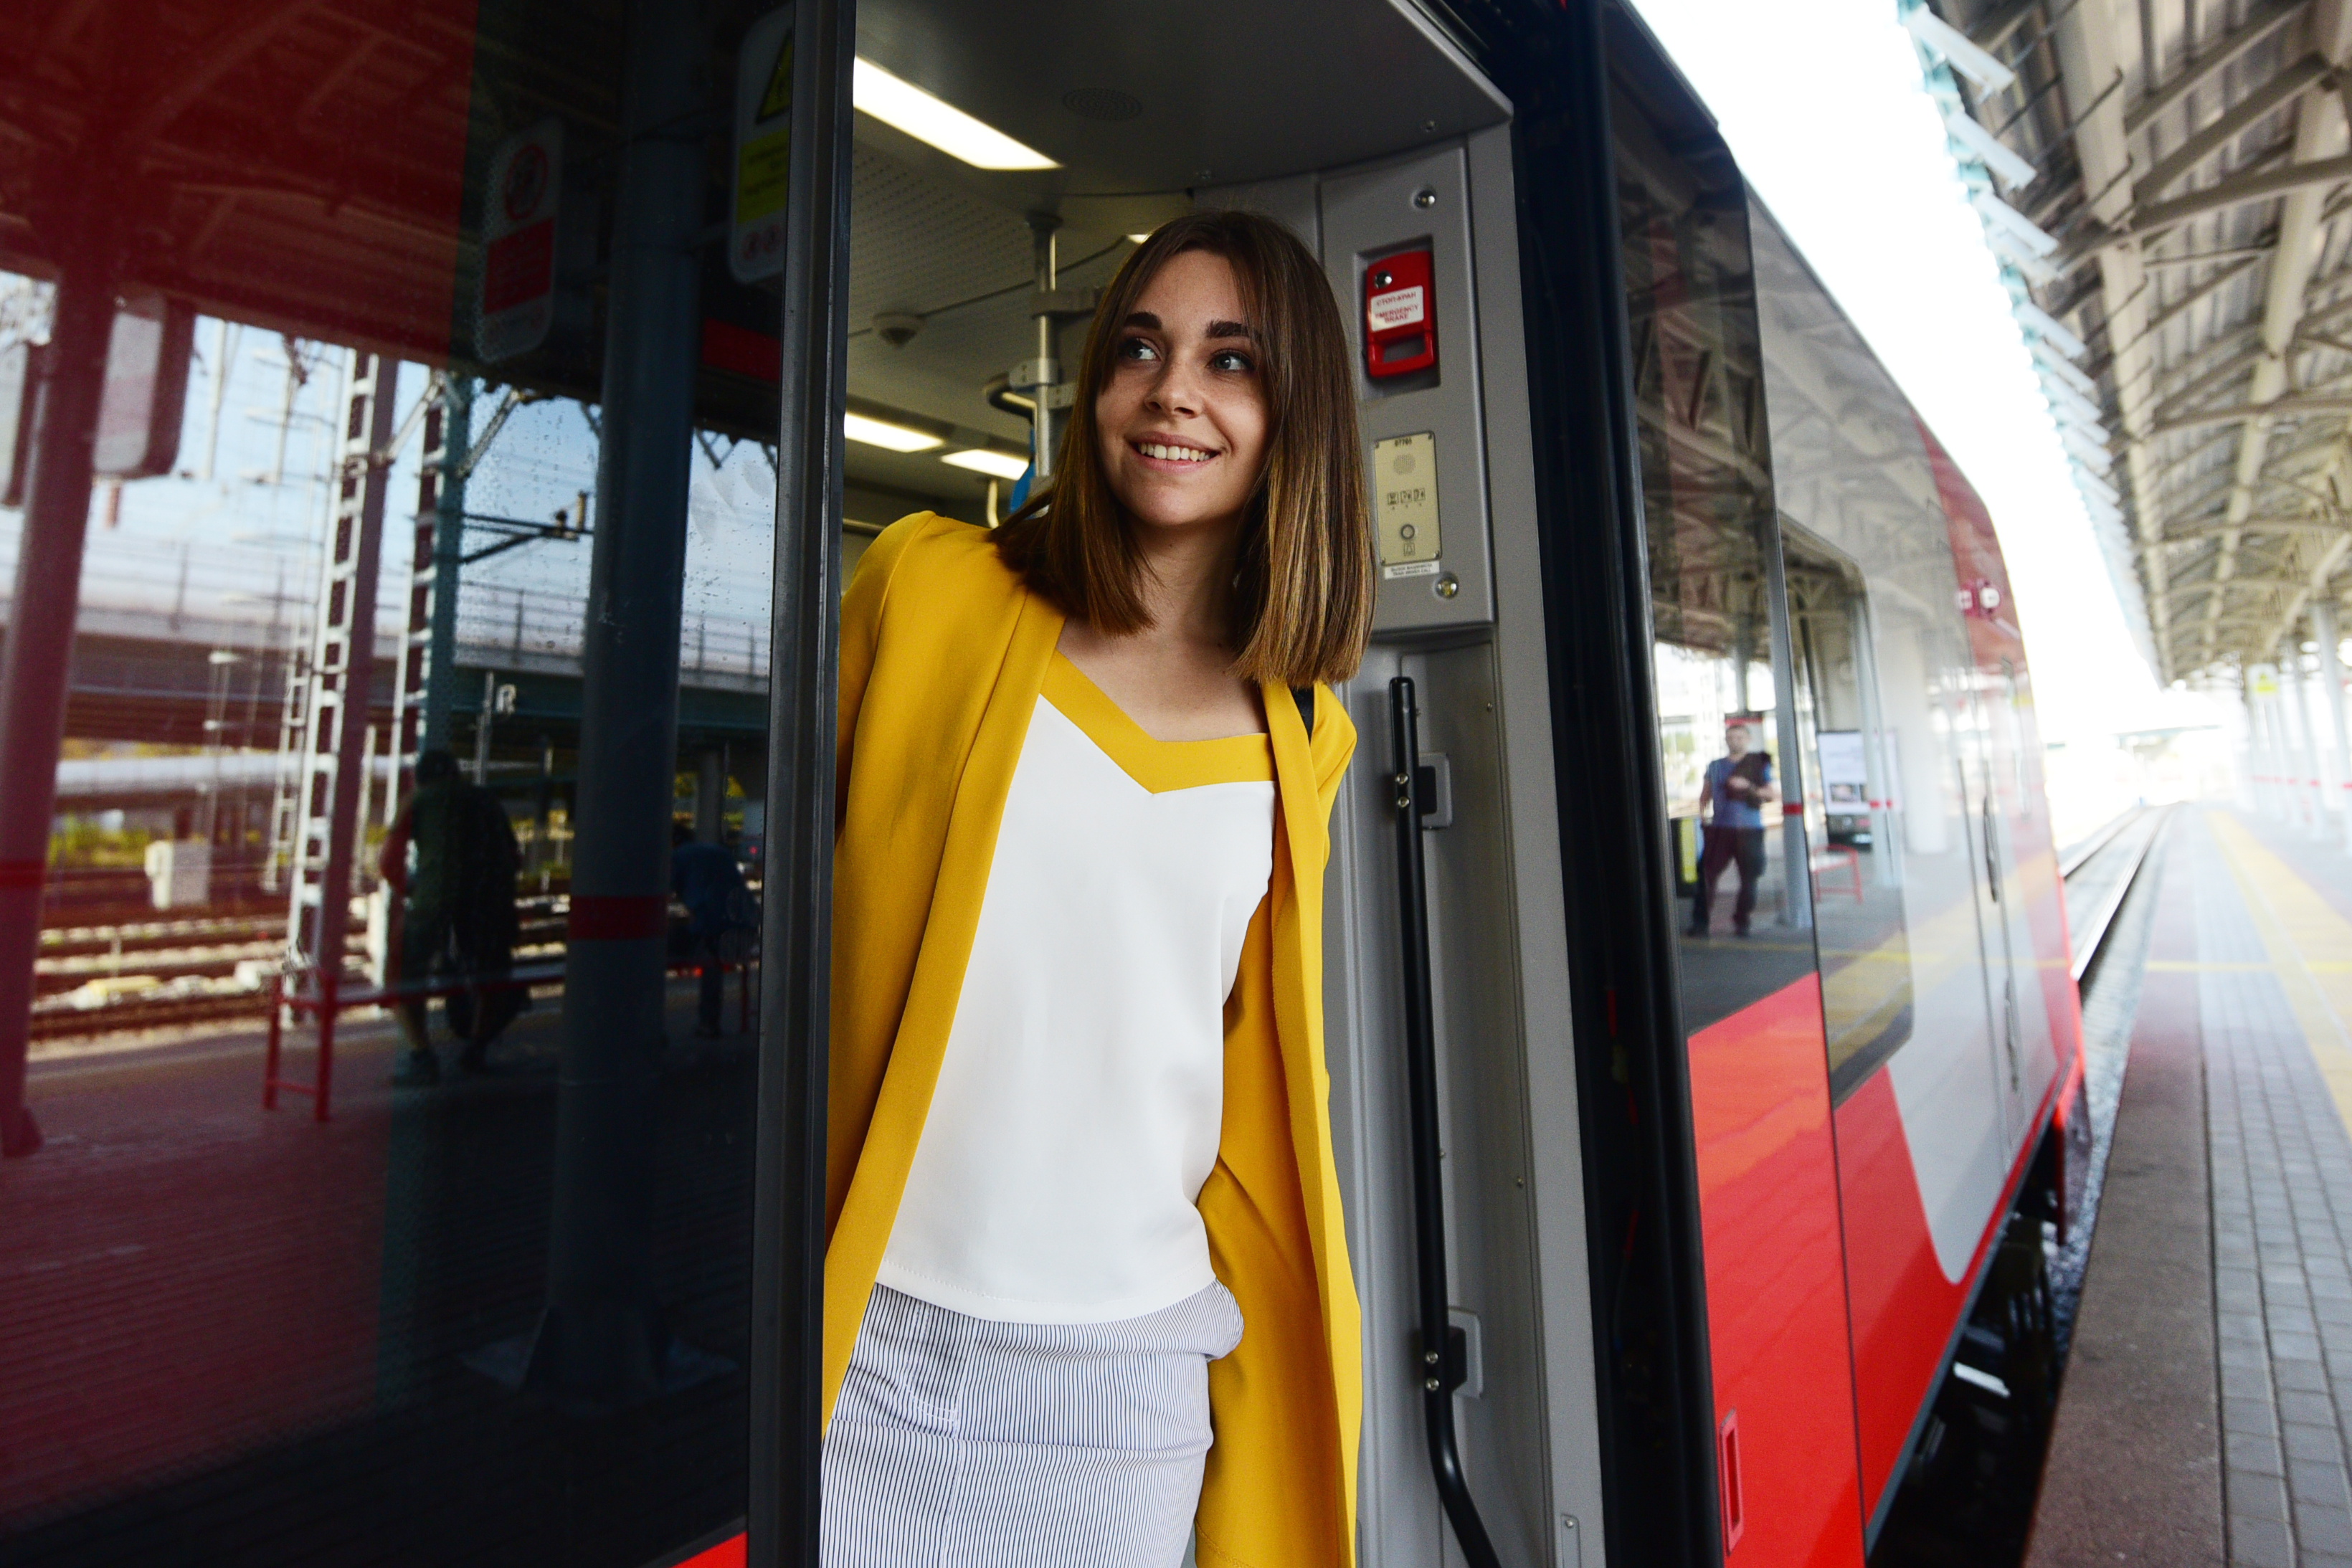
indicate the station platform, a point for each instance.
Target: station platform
{"x":2203,"y":1416}
{"x":231,"y":1326}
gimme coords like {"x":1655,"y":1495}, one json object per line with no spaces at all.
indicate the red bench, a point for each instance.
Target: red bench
{"x":1835,"y":855}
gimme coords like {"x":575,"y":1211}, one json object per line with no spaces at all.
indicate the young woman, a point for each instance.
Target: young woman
{"x":1084,"y":1216}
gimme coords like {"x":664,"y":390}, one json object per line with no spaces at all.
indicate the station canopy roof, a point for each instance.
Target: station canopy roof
{"x":2189,"y":160}
{"x":290,"y":165}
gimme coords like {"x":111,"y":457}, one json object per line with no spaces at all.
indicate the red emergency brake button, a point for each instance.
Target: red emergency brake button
{"x":1400,"y":327}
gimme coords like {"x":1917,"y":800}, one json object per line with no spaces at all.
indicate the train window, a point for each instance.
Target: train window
{"x":1740,"y":707}
{"x":1737,"y":856}
{"x":1855,"y":475}
{"x":1858,"y":902}
{"x":409,"y":645}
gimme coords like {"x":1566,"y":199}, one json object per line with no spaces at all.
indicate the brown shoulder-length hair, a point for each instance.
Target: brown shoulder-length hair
{"x":1301,"y":603}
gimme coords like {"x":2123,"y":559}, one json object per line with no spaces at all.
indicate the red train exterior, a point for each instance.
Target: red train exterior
{"x":1739,"y":1099}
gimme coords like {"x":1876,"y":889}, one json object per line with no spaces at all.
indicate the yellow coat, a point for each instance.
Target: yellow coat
{"x":943,"y":650}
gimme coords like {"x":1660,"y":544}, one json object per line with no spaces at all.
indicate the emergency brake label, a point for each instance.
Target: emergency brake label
{"x":1405,"y":306}
{"x":1404,"y":491}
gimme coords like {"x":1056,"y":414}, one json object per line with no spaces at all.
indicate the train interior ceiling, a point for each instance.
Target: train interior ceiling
{"x":309,"y":187}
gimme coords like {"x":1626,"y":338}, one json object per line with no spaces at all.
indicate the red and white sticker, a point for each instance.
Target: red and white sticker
{"x":1407,"y":306}
{"x":517,"y":304}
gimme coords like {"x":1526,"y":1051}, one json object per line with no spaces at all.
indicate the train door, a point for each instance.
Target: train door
{"x":1445,"y":956}
{"x":1980,"y":769}
{"x":598,"y":347}
{"x":1866,"y":980}
{"x":2041,"y":1004}
{"x":2047,"y":1006}
{"x":1525,"y":1381}
{"x":1732,"y":722}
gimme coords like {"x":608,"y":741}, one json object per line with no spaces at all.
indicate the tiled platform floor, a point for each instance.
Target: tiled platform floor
{"x":2205,"y":1412}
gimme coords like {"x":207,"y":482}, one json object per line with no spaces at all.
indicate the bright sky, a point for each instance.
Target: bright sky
{"x":1824,"y":105}
{"x":220,"y":537}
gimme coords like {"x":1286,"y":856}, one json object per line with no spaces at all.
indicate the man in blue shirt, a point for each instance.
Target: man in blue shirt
{"x":1738,"y":785}
{"x":708,"y":879}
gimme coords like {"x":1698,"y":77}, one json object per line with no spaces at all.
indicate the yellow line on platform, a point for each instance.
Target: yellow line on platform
{"x":2197,"y":966}
{"x":2310,"y":948}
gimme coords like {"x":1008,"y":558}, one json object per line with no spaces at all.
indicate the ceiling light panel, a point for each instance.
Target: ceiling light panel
{"x":906,"y":107}
{"x":881,"y":432}
{"x":982,"y":460}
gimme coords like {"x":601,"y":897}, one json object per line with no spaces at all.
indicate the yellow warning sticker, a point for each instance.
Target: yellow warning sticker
{"x":763,"y":146}
{"x":778,"y":98}
{"x":762,"y":176}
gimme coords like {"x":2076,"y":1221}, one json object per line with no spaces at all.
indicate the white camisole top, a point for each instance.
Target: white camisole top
{"x":1081,"y":1097}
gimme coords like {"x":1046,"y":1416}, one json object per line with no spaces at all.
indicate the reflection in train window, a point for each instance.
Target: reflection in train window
{"x":1869,"y":545}
{"x":1857,"y":893}
{"x":423,"y":603}
{"x":1720,"y":656}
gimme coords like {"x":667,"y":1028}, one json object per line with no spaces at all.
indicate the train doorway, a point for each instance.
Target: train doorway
{"x":971,"y":294}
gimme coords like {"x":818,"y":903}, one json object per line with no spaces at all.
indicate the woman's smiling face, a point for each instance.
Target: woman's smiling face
{"x":1182,"y":416}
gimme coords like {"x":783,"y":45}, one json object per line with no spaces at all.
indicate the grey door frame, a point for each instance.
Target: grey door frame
{"x":789,"y":1203}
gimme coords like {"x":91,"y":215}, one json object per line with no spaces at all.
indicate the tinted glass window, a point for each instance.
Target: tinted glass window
{"x":1738,"y":855}
{"x":1901,"y":958}
{"x":1858,"y":905}
{"x":416,"y":601}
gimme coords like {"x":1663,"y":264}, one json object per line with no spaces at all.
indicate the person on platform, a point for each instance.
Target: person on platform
{"x":1738,"y":785}
{"x":452,"y":860}
{"x":1082,"y":1209}
{"x":709,"y":880}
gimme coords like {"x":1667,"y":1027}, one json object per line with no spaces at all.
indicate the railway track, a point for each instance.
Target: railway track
{"x":143,"y":975}
{"x":2100,"y":873}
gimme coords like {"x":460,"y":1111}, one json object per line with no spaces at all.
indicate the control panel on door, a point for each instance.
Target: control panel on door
{"x":1396,"y":239}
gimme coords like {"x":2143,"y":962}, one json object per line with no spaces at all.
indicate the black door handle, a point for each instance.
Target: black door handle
{"x":1438,"y":1350}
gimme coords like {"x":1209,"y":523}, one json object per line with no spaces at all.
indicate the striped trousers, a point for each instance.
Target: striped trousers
{"x":959,"y":1442}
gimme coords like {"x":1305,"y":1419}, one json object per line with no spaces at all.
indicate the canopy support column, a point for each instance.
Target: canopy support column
{"x":2339,"y":771}
{"x":602,"y":1344}
{"x":39,"y":652}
